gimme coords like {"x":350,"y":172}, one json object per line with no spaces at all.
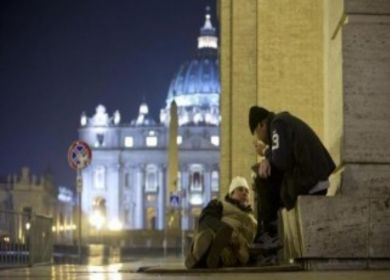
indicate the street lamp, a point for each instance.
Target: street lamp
{"x":97,"y":220}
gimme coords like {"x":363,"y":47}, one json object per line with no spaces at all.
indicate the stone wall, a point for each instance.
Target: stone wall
{"x":329,"y":63}
{"x":290,"y":59}
{"x":366,"y":68}
{"x":355,"y":224}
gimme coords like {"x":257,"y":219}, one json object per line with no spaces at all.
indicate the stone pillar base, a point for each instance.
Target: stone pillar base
{"x":344,"y":264}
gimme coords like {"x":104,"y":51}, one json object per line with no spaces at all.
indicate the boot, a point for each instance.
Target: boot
{"x":268,"y":238}
{"x":221,"y":240}
{"x":200,"y":246}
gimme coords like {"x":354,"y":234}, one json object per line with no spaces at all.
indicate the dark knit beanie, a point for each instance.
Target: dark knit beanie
{"x":256,"y":115}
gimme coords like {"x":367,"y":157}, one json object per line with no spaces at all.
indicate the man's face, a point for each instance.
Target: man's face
{"x":261,"y":132}
{"x":241,"y":194}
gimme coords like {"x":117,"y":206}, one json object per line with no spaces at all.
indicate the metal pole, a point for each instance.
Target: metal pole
{"x":165,"y":242}
{"x":79,"y":185}
{"x":183,"y":217}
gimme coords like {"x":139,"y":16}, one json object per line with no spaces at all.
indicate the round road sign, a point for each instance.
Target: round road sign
{"x":79,"y":155}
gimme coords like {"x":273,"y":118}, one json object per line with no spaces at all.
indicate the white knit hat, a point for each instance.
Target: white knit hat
{"x":238,"y":182}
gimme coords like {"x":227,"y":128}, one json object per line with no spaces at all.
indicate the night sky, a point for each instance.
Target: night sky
{"x":59,"y":58}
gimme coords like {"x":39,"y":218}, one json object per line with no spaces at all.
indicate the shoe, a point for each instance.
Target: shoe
{"x":267,"y":242}
{"x":200,"y":246}
{"x":265,"y":260}
{"x":221,"y":240}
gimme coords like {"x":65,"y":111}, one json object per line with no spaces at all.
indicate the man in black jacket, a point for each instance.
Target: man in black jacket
{"x":294,"y":163}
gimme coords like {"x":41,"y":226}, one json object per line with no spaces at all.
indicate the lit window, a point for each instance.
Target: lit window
{"x":151,"y":141}
{"x":179,"y":140}
{"x":196,"y":199}
{"x":151,"y":178}
{"x":99,"y":140}
{"x":215,"y":140}
{"x":178,"y":181}
{"x":97,"y":216}
{"x":151,"y":198}
{"x":214,"y":181}
{"x":99,"y":177}
{"x":129,"y":141}
{"x":196,"y":177}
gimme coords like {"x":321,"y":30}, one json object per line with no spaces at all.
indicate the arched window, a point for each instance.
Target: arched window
{"x":99,"y":140}
{"x":99,"y":177}
{"x":151,"y":178}
{"x":214,"y":181}
{"x":97,"y":217}
{"x":196,"y":178}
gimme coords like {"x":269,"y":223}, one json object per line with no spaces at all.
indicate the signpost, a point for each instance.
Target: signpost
{"x":79,"y":157}
{"x":174,"y":200}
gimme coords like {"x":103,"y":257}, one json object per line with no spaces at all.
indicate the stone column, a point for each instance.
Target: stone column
{"x":207,"y":185}
{"x":161,"y":198}
{"x":131,"y":191}
{"x":112,"y":193}
{"x":366,"y":141}
{"x":355,"y":224}
{"x":239,"y":87}
{"x":139,"y":214}
{"x":186,"y":196}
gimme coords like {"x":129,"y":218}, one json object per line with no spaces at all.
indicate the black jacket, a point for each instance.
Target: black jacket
{"x":297,"y":151}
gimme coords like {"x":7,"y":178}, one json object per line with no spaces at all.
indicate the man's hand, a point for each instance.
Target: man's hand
{"x":264,"y":169}
{"x":260,"y":147}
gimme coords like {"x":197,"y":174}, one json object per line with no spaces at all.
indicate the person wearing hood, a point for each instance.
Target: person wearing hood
{"x":225,"y":231}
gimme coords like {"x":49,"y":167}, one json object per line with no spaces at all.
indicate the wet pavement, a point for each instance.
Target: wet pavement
{"x":174,"y":270}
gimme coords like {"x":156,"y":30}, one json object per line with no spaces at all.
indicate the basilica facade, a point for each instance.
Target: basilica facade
{"x":125,"y":185}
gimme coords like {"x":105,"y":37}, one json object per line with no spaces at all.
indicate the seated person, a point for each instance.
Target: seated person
{"x":226,"y":229}
{"x":294,"y":163}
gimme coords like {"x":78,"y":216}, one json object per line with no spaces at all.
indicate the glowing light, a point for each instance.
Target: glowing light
{"x":151,"y":141}
{"x":83,"y":120}
{"x":114,"y":267}
{"x":115,"y":225}
{"x":196,"y":199}
{"x":143,"y":109}
{"x":179,"y":140}
{"x":215,"y":140}
{"x":28,"y":226}
{"x":53,"y":229}
{"x":65,"y":194}
{"x":129,"y":141}
{"x":101,"y":117}
{"x":97,"y":219}
{"x":207,"y":42}
{"x":117,"y":117}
